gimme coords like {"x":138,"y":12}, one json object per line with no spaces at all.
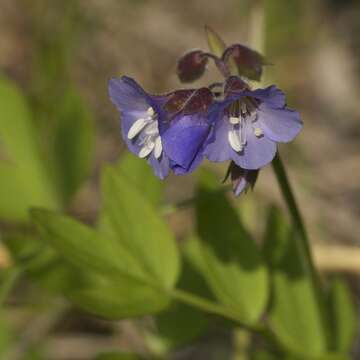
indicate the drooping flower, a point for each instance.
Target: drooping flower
{"x":247,"y":124}
{"x":139,"y":114}
{"x":168,"y":130}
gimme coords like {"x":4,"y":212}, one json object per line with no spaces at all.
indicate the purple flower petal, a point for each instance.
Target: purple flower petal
{"x":271,"y":95}
{"x":161,"y":166}
{"x":218,"y":148}
{"x":280,"y":125}
{"x":258,"y":151}
{"x":184,"y":138}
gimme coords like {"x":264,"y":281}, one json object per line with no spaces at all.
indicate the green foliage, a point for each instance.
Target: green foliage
{"x":294,"y":313}
{"x":231,"y":264}
{"x":130,"y":268}
{"x":142,"y":232}
{"x":139,"y":173}
{"x":23,"y":178}
{"x":343,"y":316}
{"x":72,"y":145}
{"x":118,"y":356}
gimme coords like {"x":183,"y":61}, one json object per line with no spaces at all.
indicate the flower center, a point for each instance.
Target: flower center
{"x":146,"y":130}
{"x":241,"y":113}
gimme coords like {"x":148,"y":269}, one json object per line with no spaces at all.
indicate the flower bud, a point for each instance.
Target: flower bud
{"x":191,"y":66}
{"x":249,"y":62}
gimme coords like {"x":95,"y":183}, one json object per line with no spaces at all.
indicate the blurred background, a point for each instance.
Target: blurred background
{"x":56,"y":57}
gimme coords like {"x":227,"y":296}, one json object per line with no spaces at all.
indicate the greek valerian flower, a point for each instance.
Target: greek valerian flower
{"x":139,"y":113}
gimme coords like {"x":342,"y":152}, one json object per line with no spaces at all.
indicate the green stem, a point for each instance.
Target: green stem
{"x":302,"y":241}
{"x":289,"y":198}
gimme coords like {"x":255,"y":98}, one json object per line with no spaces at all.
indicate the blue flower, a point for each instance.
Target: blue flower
{"x":247,"y":125}
{"x":168,"y":130}
{"x":139,"y":114}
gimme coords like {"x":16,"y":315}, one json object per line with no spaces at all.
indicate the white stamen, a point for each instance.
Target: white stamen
{"x":146,"y":149}
{"x":234,"y":120}
{"x":158,"y":148}
{"x":258,"y":132}
{"x":234,"y":140}
{"x":150,"y":111}
{"x":136,"y":127}
{"x":152,"y":129}
{"x":243,"y":108}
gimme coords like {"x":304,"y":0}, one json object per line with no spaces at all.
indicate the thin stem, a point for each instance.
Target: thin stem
{"x":302,"y":241}
{"x":289,"y":198}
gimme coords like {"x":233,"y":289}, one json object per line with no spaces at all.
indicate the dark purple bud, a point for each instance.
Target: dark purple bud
{"x":249,"y":62}
{"x":241,"y":178}
{"x":191,"y":66}
{"x":189,"y":101}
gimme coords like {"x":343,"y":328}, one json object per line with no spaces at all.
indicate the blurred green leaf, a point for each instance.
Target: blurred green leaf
{"x":124,"y":298}
{"x":23,"y":178}
{"x":289,"y":15}
{"x":343,"y":315}
{"x":43,"y":265}
{"x":7,"y":279}
{"x":116,"y":285}
{"x":232,"y":264}
{"x":139,"y":173}
{"x":132,"y":266}
{"x":73,"y":143}
{"x":118,"y":356}
{"x":83,"y":246}
{"x":182,"y":324}
{"x":294,"y":314}
{"x":6,"y":334}
{"x":140,"y":229}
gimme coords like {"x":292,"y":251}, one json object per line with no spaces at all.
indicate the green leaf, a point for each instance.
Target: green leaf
{"x":140,"y":229}
{"x":343,"y":316}
{"x":6,"y":334}
{"x":215,"y":42}
{"x":23,"y":178}
{"x":181,"y":324}
{"x":232,"y":264}
{"x":73,"y":144}
{"x":294,"y":314}
{"x":7,"y":279}
{"x":116,"y":285}
{"x":122,"y":299}
{"x":118,"y":356}
{"x":83,"y":246}
{"x":139,"y":173}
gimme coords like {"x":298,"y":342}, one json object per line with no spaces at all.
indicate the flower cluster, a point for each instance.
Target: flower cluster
{"x":224,"y":121}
